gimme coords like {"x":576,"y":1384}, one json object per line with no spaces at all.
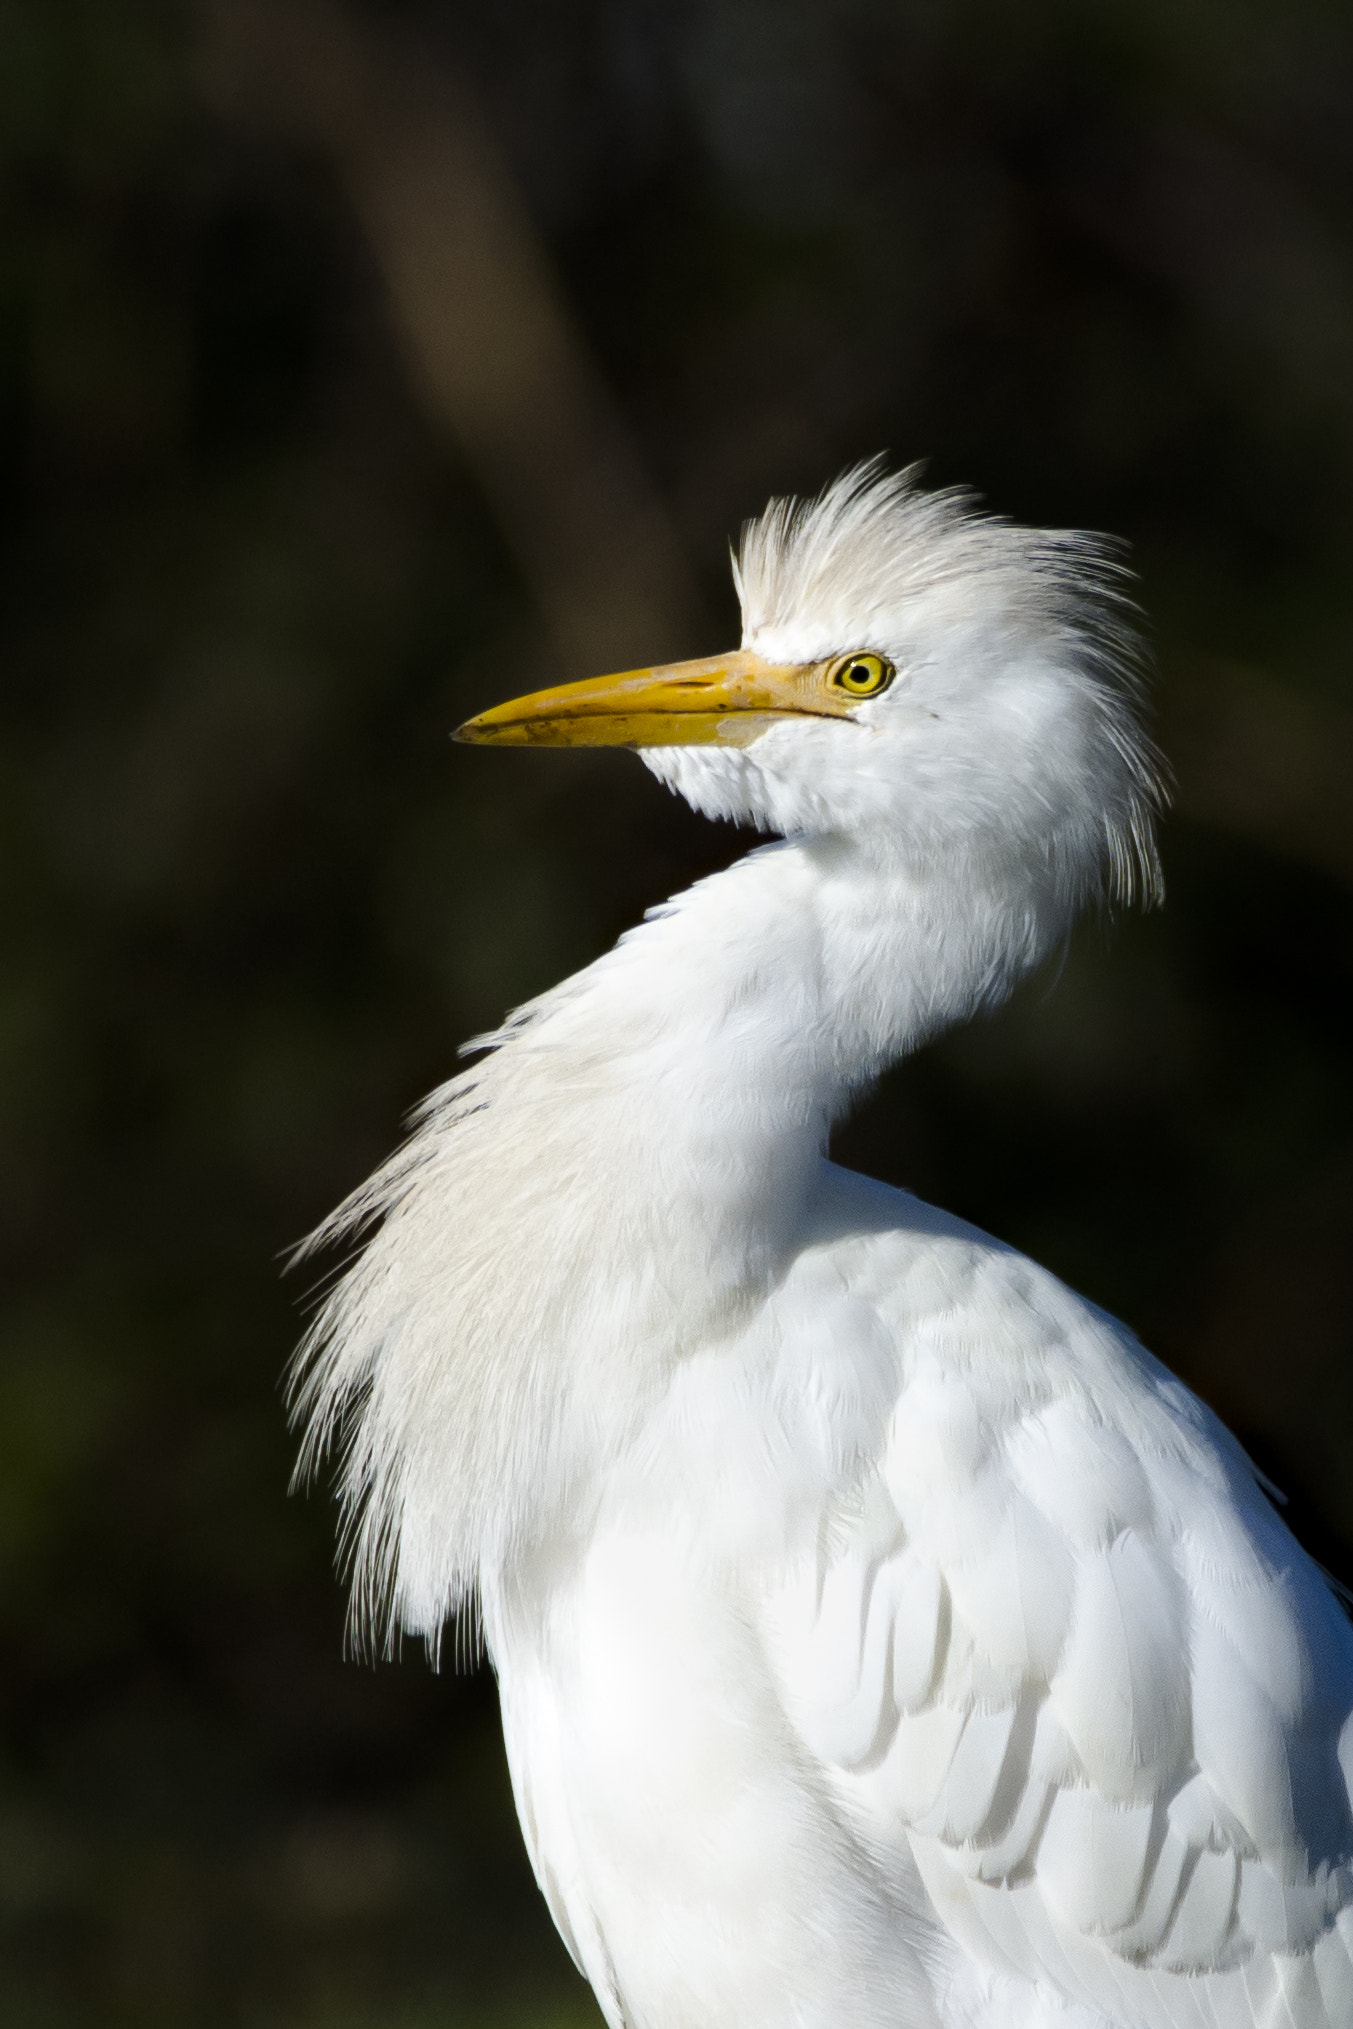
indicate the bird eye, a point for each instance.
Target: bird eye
{"x":862,"y":675}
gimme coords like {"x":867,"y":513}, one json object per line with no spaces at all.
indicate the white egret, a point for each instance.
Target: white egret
{"x":885,"y":1640}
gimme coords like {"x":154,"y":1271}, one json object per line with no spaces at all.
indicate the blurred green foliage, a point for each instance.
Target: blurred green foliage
{"x":1098,"y":262}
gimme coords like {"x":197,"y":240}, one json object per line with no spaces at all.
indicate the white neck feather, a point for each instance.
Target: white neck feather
{"x":620,"y":1180}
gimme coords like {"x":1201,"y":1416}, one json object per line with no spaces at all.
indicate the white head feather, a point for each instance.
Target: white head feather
{"x":1013,"y":726}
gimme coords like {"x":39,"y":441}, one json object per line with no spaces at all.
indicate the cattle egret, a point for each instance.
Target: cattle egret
{"x":885,"y":1640}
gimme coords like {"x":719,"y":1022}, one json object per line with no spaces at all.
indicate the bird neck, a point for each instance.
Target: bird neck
{"x":743,"y":1017}
{"x":784,"y":985}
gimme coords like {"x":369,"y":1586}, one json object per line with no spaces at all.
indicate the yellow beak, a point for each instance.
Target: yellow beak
{"x":723,"y":700}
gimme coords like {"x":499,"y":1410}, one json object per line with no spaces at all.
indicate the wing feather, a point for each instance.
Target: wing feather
{"x":1093,"y":1861}
{"x":1204,"y":1916}
{"x":1078,"y":1671}
{"x":1121,"y":1692}
{"x":967,"y":1794}
{"x":920,"y":1630}
{"x":1332,"y":1958}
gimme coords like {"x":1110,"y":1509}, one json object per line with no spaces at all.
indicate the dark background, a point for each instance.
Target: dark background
{"x":360,"y":367}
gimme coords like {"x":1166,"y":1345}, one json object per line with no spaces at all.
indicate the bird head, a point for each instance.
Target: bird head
{"x":935,"y":685}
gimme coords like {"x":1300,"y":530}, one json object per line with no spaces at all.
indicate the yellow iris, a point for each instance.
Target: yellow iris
{"x":862,"y":675}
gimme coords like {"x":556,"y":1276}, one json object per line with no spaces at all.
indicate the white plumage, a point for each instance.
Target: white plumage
{"x":884,"y":1638}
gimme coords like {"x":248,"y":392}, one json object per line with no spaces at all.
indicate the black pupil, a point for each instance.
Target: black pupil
{"x":860,"y":672}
